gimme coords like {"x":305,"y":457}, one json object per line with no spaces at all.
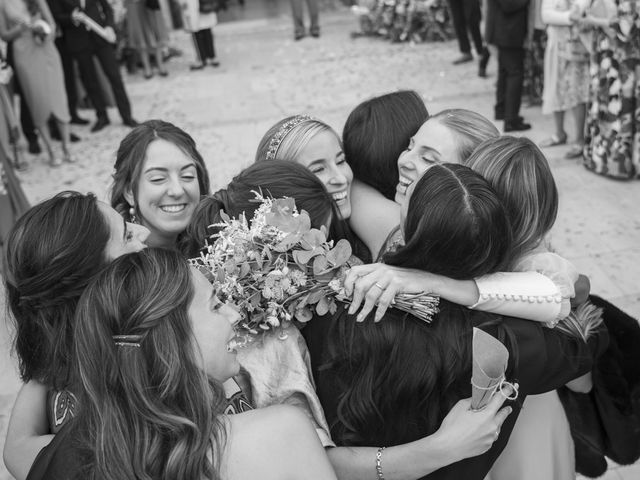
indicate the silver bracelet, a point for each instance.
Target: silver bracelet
{"x":379,"y":463}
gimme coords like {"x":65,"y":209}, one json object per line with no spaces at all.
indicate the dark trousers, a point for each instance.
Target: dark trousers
{"x":69,"y":77}
{"x":26,"y":121}
{"x":298,"y":21}
{"x":203,"y":40}
{"x":106,"y":56}
{"x":466,"y":15}
{"x":510,"y":79}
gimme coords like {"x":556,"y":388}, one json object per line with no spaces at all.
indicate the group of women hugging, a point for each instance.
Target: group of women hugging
{"x":127,"y":354}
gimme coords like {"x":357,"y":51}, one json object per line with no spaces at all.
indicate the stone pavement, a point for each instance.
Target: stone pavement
{"x":265,"y":76}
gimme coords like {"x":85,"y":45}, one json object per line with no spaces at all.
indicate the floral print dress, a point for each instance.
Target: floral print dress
{"x":612,"y":144}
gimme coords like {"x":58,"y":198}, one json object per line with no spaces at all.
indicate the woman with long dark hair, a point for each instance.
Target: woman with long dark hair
{"x":376,"y":132}
{"x":151,"y":350}
{"x":391,"y":382}
{"x":29,"y":26}
{"x":53,"y":251}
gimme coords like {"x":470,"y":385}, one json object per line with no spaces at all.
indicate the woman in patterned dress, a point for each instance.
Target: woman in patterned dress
{"x":612,"y":144}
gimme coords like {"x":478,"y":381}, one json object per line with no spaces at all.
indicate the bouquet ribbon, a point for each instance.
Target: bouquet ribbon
{"x":490,"y":359}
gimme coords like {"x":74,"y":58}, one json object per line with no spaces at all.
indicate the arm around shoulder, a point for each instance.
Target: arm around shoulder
{"x":373,"y":216}
{"x":526,"y":295}
{"x":276,"y":443}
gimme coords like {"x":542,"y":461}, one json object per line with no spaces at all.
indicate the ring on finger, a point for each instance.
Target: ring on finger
{"x":497,"y":434}
{"x":378,"y":285}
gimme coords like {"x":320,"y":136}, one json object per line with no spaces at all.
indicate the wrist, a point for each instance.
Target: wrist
{"x":434,"y":452}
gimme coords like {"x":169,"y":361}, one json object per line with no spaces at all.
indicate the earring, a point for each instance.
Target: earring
{"x":132,"y":215}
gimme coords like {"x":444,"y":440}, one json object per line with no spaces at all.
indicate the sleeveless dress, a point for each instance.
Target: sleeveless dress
{"x":38,"y":67}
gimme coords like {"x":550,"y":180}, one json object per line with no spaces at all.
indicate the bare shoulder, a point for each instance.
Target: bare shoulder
{"x":277,"y":424}
{"x":268,"y":444}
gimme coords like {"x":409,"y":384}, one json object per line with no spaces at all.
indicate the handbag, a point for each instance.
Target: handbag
{"x":208,"y":6}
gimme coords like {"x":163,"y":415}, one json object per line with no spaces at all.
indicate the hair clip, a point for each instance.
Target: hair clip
{"x":127,"y":340}
{"x":282,"y":132}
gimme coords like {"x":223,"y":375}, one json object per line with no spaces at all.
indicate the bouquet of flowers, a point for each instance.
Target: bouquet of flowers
{"x":277,"y":269}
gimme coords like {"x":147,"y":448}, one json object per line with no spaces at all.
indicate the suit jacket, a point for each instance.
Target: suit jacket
{"x":77,"y":37}
{"x":506,"y":24}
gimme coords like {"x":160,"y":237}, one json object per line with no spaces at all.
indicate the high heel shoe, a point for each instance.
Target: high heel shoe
{"x":163,"y":73}
{"x":55,"y":162}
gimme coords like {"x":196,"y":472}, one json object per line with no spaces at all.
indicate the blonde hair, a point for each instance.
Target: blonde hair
{"x":294,"y":139}
{"x":470,"y":128}
{"x":519,"y":173}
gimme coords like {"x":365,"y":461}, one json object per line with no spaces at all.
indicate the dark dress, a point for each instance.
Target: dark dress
{"x":541,"y":360}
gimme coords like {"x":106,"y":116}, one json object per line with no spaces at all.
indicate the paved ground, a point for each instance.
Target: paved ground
{"x":266,"y":76}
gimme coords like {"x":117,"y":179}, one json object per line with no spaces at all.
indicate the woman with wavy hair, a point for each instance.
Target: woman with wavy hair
{"x":158,"y":180}
{"x":392,"y":382}
{"x":53,"y":251}
{"x":151,"y":348}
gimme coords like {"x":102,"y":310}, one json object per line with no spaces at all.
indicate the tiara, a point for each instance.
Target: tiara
{"x":282,"y":132}
{"x":127,"y":340}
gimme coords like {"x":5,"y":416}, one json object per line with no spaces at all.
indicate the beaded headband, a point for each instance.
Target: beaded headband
{"x":282,"y":132}
{"x":127,"y":340}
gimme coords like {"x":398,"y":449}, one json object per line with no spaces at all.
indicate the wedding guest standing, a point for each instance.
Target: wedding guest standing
{"x":506,"y":28}
{"x":147,"y":33}
{"x":466,"y":16}
{"x":30,"y":26}
{"x":566,"y":70}
{"x":612,"y":146}
{"x":299,"y":30}
{"x":199,"y":17}
{"x":85,"y":45}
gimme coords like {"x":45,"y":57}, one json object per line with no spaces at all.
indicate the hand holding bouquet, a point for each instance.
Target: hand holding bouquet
{"x":278,"y":269}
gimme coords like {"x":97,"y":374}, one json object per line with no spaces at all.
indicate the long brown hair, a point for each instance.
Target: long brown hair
{"x":519,"y":173}
{"x":53,"y":251}
{"x":147,"y":409}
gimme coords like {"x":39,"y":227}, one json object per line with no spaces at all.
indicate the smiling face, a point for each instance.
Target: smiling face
{"x":124,"y":237}
{"x":212,"y":324}
{"x":324,"y":157}
{"x":433,"y":143}
{"x":168,"y":192}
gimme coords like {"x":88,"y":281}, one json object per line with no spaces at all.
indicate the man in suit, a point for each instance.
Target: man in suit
{"x":506,"y":28}
{"x":84,"y":44}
